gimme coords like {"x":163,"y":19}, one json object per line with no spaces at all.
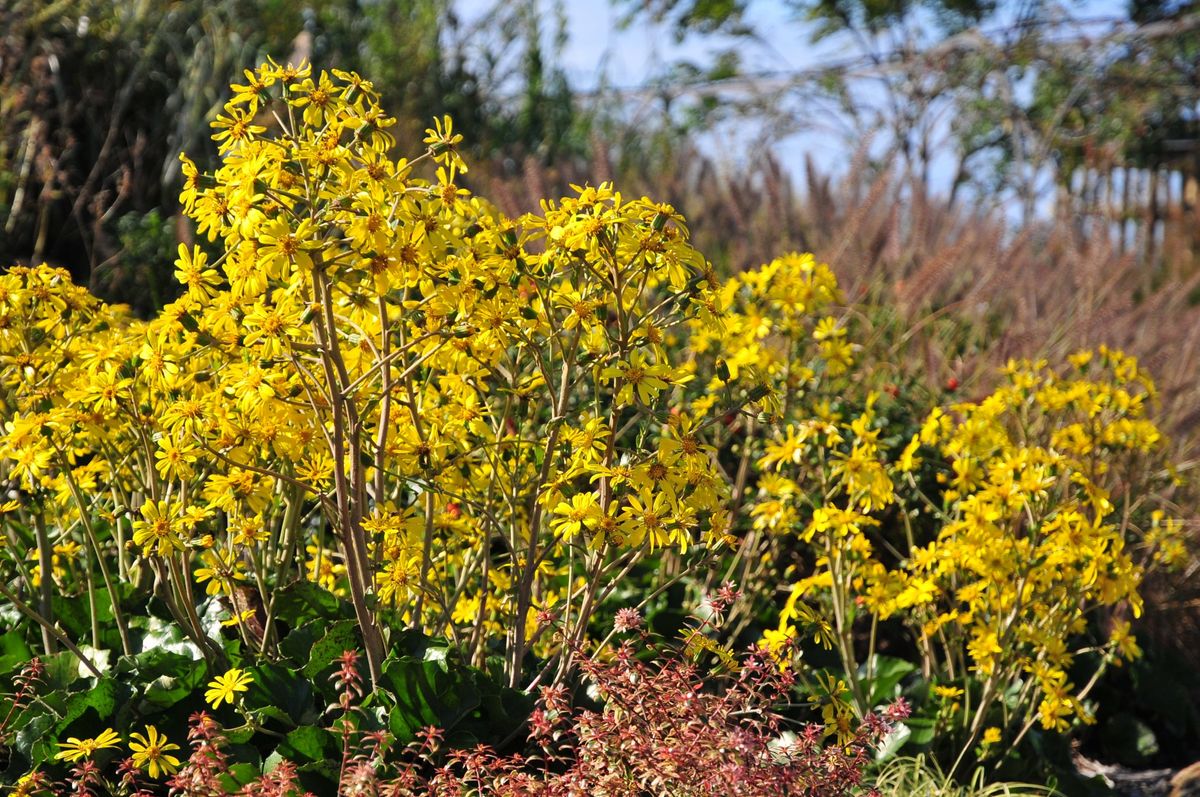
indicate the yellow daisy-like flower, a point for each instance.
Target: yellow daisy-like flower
{"x":159,"y":531}
{"x":151,"y":752}
{"x":226,"y":687}
{"x":947,"y":692}
{"x":74,"y":748}
{"x":31,"y":784}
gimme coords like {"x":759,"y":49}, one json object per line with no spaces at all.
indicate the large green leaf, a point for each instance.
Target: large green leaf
{"x":73,"y":616}
{"x":167,"y":690}
{"x":161,"y":635}
{"x":886,"y":674}
{"x":309,"y":744}
{"x":14,"y":652}
{"x":413,"y":644}
{"x":166,"y":677}
{"x":35,"y":740}
{"x":102,"y":698}
{"x":467,"y":703}
{"x":238,"y":775}
{"x":317,"y":754}
{"x":62,"y":671}
{"x":301,"y":601}
{"x":154,"y":662}
{"x":43,"y":725}
{"x":920,"y":731}
{"x":426,"y":693}
{"x":339,"y":637}
{"x":282,"y":694}
{"x":298,"y":644}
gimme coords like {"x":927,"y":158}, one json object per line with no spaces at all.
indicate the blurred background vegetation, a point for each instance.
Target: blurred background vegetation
{"x":98,"y":98}
{"x":1020,"y":177}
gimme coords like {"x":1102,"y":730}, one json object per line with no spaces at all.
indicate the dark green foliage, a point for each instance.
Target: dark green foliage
{"x":291,"y":703}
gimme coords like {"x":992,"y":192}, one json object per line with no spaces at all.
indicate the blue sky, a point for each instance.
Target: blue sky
{"x":599,"y":50}
{"x":597,"y":45}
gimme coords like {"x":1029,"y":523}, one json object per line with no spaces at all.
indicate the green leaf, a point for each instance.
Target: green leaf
{"x":102,"y":698}
{"x":73,"y":615}
{"x":309,"y":743}
{"x":887,"y":673}
{"x":167,"y":690}
{"x":167,"y":678}
{"x":468,"y":703}
{"x":62,"y":670}
{"x":239,"y":735}
{"x":340,"y":637}
{"x":302,"y":601}
{"x":298,"y":644}
{"x":238,"y":775}
{"x":426,"y":693}
{"x":14,"y":653}
{"x":154,"y":662}
{"x":317,"y":752}
{"x":272,"y":713}
{"x":503,"y":709}
{"x":920,"y":730}
{"x":163,"y":636}
{"x":36,"y":741}
{"x":415,"y":645}
{"x":278,"y":689}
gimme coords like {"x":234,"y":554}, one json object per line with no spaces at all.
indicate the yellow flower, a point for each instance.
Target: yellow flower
{"x":828,"y":328}
{"x":238,"y":619}
{"x":398,"y":579}
{"x":226,"y":687}
{"x":159,"y":530}
{"x":638,"y":378}
{"x":991,"y":736}
{"x":174,"y":459}
{"x":192,"y":272}
{"x":776,"y":642}
{"x":909,"y":460}
{"x":191,"y":183}
{"x":947,"y":692}
{"x":253,"y":92}
{"x":103,"y":392}
{"x":582,"y":511}
{"x":234,"y":128}
{"x":443,"y":142}
{"x":151,"y":752}
{"x":647,"y":518}
{"x":30,"y":784}
{"x":1124,"y":643}
{"x":74,"y":748}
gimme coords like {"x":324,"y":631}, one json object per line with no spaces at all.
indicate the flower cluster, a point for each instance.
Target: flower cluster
{"x":1034,"y":521}
{"x":458,"y":420}
{"x":487,"y":429}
